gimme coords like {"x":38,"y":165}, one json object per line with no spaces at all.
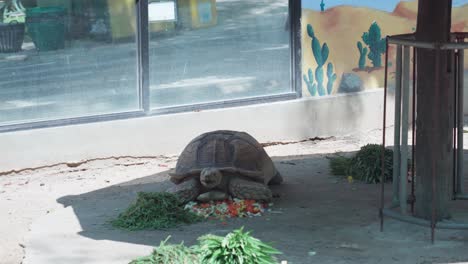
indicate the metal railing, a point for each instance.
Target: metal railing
{"x":406,"y":43}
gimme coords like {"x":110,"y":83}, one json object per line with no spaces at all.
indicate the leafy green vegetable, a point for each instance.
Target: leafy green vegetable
{"x":155,"y":211}
{"x":365,"y":165}
{"x":236,"y":247}
{"x":169,"y":254}
{"x":340,"y":165}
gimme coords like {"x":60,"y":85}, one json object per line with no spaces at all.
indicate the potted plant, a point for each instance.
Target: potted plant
{"x":11,"y":26}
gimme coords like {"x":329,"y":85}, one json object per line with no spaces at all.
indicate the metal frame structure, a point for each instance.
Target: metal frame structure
{"x":405,"y":43}
{"x":143,"y":84}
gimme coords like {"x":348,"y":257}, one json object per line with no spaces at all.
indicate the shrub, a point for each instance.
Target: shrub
{"x":366,"y":165}
{"x":340,"y":165}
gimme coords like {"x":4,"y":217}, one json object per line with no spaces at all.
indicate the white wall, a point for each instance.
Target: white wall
{"x":168,"y":134}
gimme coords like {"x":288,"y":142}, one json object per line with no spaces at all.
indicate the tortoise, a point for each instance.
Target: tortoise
{"x":232,"y":163}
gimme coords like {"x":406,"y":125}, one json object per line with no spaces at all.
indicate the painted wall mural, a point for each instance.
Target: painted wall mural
{"x":343,"y":41}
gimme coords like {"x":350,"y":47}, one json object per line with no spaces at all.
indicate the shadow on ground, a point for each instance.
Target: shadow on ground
{"x":317,"y":218}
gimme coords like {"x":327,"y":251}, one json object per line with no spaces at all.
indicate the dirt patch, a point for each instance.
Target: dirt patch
{"x":317,"y":218}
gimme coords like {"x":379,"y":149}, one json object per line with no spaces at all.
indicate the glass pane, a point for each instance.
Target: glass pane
{"x":218,"y":50}
{"x":70,"y":58}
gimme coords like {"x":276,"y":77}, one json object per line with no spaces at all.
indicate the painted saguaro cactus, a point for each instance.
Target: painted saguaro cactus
{"x":373,"y":39}
{"x":362,"y":55}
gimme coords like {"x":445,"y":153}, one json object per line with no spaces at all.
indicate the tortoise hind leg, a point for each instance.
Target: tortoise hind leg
{"x":187,"y":191}
{"x":246,"y":189}
{"x":278,"y":179}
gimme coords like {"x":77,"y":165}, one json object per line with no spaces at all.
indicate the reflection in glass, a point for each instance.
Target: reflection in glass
{"x":220,"y":50}
{"x":78,"y":58}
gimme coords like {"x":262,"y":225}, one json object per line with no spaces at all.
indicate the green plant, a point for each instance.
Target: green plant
{"x":321,"y":53}
{"x":236,"y":247}
{"x":155,"y":211}
{"x":322,"y":6}
{"x":366,"y":165}
{"x":373,"y":39}
{"x":362,"y":55}
{"x":311,"y":86}
{"x":170,"y":254}
{"x":340,"y":165}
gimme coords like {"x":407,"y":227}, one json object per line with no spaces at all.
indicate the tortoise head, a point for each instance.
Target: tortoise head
{"x":210,"y":177}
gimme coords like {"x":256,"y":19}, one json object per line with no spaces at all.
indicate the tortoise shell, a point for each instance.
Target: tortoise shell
{"x":228,"y":151}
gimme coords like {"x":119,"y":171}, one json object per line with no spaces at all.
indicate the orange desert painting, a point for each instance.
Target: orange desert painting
{"x":343,"y":42}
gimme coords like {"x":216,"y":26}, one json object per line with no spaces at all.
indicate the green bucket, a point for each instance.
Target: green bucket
{"x":46,"y":27}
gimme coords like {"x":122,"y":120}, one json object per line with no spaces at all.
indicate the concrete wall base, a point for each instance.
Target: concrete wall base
{"x":168,"y":134}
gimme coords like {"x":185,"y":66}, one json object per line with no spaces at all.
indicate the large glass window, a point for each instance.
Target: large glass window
{"x":204,"y":51}
{"x":62,"y":59}
{"x":66,"y":58}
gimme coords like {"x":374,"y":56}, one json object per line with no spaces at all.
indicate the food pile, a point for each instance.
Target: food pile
{"x":227,"y":208}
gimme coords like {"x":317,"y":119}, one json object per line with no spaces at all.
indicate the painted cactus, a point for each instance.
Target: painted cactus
{"x":373,"y":39}
{"x":311,"y":86}
{"x":362,"y":55}
{"x":322,"y":6}
{"x":331,"y":77}
{"x":321,"y":55}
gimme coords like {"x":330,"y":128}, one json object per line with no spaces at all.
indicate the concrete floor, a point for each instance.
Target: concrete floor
{"x":246,"y":54}
{"x":60,"y":214}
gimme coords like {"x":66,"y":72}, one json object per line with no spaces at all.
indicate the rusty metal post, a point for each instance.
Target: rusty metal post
{"x":460,"y":122}
{"x":433,"y":218}
{"x":397,"y":127}
{"x":404,"y":132}
{"x":382,"y":177}
{"x":413,"y":132}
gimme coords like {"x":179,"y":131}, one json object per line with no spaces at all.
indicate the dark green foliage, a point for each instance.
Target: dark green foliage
{"x":311,"y":85}
{"x":366,"y":165}
{"x":373,"y":39}
{"x":322,"y":6}
{"x":236,"y":247}
{"x":331,"y":77}
{"x":169,"y":254}
{"x":362,"y":55}
{"x":321,"y":53}
{"x":155,"y":211}
{"x":340,"y":165}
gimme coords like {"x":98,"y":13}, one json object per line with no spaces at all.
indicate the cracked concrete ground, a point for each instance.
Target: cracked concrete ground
{"x":321,"y":218}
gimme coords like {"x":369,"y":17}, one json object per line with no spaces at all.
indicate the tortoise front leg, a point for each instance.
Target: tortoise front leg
{"x":245,"y":189}
{"x":187,"y":191}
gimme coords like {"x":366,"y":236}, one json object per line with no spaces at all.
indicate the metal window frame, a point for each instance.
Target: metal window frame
{"x":143,"y":84}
